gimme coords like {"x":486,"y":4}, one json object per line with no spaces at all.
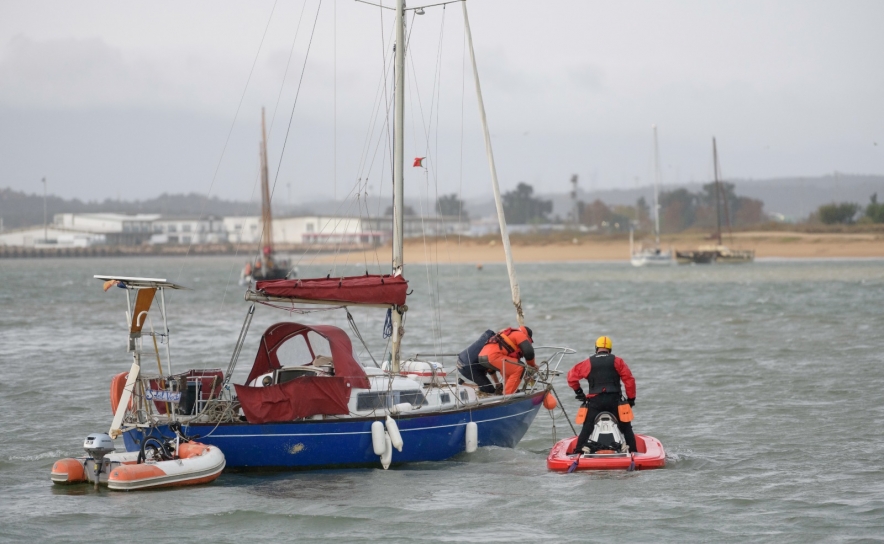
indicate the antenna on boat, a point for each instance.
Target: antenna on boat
{"x":504,"y":233}
{"x":398,"y":172}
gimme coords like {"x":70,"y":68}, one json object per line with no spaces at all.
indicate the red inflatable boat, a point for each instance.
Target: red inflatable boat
{"x":650,"y":454}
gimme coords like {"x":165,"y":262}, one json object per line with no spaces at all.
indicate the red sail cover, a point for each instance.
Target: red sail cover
{"x":368,"y":289}
{"x":307,"y":396}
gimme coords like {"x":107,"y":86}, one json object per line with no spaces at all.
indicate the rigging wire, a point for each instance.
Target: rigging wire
{"x":295,"y":103}
{"x":355,"y":330}
{"x":427,"y":130}
{"x":269,"y":136}
{"x":229,"y":133}
{"x":363,"y":156}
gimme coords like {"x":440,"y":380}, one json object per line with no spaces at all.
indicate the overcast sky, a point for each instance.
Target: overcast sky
{"x":132,"y":99}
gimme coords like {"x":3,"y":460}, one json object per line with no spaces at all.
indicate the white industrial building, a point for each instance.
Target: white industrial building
{"x":105,"y":222}
{"x":86,"y":229}
{"x":188,"y":230}
{"x":243,"y":229}
{"x":49,"y":237}
{"x":312,"y":229}
{"x":118,"y":228}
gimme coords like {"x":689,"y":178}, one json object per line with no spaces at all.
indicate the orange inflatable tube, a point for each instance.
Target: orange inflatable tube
{"x":118,"y":383}
{"x":134,"y":473}
{"x":68,"y":471}
{"x":191,"y":449}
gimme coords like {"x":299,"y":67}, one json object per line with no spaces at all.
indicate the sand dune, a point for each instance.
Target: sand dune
{"x":589,"y":248}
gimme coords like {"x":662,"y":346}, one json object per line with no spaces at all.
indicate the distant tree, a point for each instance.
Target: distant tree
{"x":643,"y":212}
{"x":875,"y":211}
{"x":408,"y":211}
{"x":451,"y":205}
{"x":594,"y":213}
{"x":600,"y":215}
{"x":678,"y":210}
{"x":520,"y":206}
{"x":749,"y":211}
{"x":630,"y":213}
{"x":843,"y":213}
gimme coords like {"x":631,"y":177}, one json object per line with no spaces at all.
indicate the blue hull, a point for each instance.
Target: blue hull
{"x":347,"y":443}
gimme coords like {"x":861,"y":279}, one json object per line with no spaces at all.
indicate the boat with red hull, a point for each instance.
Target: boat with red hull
{"x":650,"y":455}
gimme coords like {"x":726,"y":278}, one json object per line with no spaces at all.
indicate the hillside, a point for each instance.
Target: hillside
{"x":18,"y":209}
{"x":794,"y":197}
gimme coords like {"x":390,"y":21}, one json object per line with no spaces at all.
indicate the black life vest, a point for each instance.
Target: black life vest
{"x":603,"y":376}
{"x":470,"y":356}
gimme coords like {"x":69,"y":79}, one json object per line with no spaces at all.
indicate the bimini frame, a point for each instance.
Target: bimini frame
{"x":140,"y":294}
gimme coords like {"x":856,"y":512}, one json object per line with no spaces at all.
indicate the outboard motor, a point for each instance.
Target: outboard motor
{"x":97,"y":446}
{"x":606,"y":437}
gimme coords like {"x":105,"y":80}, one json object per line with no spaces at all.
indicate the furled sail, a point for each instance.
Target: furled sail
{"x":368,"y":289}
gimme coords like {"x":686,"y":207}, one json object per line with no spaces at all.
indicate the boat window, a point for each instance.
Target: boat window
{"x":319,"y":344}
{"x":290,"y":374}
{"x":371,"y":401}
{"x":294,"y":352}
{"x":463,"y":396}
{"x":445,"y":398}
{"x":415,"y":397}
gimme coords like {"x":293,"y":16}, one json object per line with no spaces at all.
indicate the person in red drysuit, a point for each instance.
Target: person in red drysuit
{"x":502,"y":354}
{"x":604,"y":371}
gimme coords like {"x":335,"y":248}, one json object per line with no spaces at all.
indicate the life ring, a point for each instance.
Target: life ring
{"x":118,"y":383}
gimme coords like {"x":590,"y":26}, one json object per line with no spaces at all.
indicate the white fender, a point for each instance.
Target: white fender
{"x":388,"y":452}
{"x":472,"y":436}
{"x":395,"y":436}
{"x":377,"y":438}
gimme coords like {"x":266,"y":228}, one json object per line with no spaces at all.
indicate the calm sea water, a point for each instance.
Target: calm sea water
{"x":764,"y":383}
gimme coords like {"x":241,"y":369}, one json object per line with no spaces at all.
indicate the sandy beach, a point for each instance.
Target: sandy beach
{"x":780,"y":244}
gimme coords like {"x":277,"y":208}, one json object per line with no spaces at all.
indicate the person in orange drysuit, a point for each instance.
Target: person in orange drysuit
{"x":503,"y":351}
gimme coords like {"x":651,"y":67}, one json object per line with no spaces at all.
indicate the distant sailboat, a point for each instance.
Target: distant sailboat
{"x":265,"y":266}
{"x":654,"y":255}
{"x":718,"y":253}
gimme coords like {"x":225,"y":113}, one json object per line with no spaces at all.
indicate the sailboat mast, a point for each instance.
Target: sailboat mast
{"x":656,"y":188}
{"x":504,"y":233}
{"x":398,"y":173}
{"x":266,"y":215}
{"x":717,"y":190}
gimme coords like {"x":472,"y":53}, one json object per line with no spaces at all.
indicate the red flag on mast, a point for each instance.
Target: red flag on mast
{"x":418,"y":162}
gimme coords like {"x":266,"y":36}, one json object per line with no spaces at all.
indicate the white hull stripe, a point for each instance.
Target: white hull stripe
{"x":215,"y":436}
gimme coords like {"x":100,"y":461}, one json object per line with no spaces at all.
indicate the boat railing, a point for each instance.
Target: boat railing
{"x":197,"y":395}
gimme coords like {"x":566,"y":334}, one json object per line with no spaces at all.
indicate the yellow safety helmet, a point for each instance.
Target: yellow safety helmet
{"x":604,"y":342}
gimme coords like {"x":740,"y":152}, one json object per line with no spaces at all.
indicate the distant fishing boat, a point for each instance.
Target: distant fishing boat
{"x":307,"y":401}
{"x":717,"y":253}
{"x":265,"y":266}
{"x":652,"y":256}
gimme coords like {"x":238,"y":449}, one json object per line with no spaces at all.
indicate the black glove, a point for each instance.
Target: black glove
{"x":579,"y":394}
{"x":631,"y":402}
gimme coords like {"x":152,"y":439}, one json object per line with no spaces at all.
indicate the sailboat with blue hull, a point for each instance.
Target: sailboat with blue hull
{"x":313,"y":445}
{"x":308,"y":402}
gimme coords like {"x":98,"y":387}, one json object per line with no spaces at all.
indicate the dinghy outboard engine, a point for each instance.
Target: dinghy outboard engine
{"x":606,"y":437}
{"x":97,"y":446}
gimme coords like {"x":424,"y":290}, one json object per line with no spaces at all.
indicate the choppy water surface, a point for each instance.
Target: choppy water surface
{"x":764,"y":383}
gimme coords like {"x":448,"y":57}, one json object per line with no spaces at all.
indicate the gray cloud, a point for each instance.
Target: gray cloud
{"x":791,"y":88}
